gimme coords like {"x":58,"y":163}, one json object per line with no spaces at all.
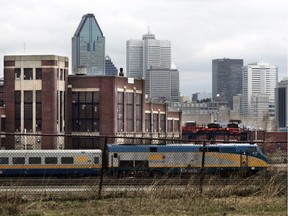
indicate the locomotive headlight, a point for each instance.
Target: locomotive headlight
{"x":253,"y":168}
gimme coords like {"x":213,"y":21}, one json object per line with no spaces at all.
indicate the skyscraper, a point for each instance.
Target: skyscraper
{"x":110,"y":69}
{"x":150,"y":59}
{"x":258,"y":78}
{"x":146,"y":53}
{"x":88,"y":47}
{"x":281,"y":104}
{"x":226,"y":78}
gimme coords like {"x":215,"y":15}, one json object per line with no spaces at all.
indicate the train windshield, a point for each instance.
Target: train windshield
{"x":252,"y":150}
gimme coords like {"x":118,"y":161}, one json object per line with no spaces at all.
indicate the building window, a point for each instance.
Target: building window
{"x":162,"y":123}
{"x":17,"y":73}
{"x":85,"y":111}
{"x":38,"y":73}
{"x":176,"y":126}
{"x":60,"y":114}
{"x":138,"y":112}
{"x":148,"y":122}
{"x":28,"y":110}
{"x":120,"y":112}
{"x":28,"y":73}
{"x":130,"y":112}
{"x":38,"y":110}
{"x":3,"y":124}
{"x":17,"y":111}
{"x":155,"y":122}
{"x":170,"y":126}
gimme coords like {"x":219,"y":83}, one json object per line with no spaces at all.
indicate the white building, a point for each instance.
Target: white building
{"x":235,"y":113}
{"x":258,"y":78}
{"x":259,"y":109}
{"x":146,"y":53}
{"x":150,"y":59}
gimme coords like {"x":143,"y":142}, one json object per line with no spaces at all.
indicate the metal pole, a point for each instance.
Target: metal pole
{"x":103,"y":167}
{"x":202,"y":172}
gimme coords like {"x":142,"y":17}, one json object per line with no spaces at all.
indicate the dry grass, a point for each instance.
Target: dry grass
{"x":267,"y":198}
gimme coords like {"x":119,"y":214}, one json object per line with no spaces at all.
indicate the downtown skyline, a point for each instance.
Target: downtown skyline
{"x":199,"y":32}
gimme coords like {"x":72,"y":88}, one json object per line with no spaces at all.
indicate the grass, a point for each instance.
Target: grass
{"x":155,"y":206}
{"x":269,"y":198}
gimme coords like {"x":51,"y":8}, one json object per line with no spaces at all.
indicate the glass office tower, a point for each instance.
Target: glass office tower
{"x":88,"y":48}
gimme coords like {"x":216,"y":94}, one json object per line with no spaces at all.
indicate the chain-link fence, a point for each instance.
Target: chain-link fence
{"x":99,"y":165}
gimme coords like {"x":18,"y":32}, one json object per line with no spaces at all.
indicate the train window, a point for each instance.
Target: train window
{"x":18,"y":160}
{"x":228,"y":150}
{"x":51,"y":160}
{"x":213,"y":149}
{"x":153,"y":149}
{"x":252,"y":150}
{"x":4,"y":160}
{"x":96,"y":160}
{"x":34,"y":160}
{"x":67,"y":160}
{"x":115,"y":155}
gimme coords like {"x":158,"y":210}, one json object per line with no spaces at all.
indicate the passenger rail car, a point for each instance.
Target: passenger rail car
{"x":175,"y":159}
{"x":50,"y":162}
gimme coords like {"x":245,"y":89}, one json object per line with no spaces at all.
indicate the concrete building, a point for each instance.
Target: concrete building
{"x":88,"y":48}
{"x":259,"y":110}
{"x":34,"y":97}
{"x":235,"y":113}
{"x":202,"y":113}
{"x":226,"y":78}
{"x":258,"y":78}
{"x":162,"y":84}
{"x":281,"y":105}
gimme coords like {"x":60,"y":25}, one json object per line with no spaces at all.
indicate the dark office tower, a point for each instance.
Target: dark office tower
{"x":110,"y":69}
{"x":88,"y":48}
{"x":226,"y":79}
{"x":281,"y":105}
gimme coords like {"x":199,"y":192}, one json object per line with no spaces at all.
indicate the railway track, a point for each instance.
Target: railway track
{"x":129,"y":181}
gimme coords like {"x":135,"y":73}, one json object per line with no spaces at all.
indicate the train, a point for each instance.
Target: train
{"x":135,"y":160}
{"x":50,"y":162}
{"x":191,"y":131}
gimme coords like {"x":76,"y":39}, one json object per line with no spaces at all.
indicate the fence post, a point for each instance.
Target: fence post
{"x":202,"y":171}
{"x":103,"y":167}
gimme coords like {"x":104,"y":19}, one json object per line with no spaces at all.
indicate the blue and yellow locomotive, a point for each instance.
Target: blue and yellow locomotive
{"x":175,"y":159}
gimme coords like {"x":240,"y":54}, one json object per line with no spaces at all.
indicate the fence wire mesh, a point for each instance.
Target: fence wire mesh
{"x":100,"y":165}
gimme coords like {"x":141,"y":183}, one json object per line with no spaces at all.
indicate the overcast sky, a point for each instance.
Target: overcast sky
{"x":199,"y":31}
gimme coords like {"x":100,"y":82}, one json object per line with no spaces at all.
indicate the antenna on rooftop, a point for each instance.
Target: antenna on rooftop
{"x":24,"y":47}
{"x":148,"y":29}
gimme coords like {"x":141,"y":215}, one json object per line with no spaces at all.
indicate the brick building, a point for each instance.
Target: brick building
{"x":34,"y":92}
{"x":42,"y":100}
